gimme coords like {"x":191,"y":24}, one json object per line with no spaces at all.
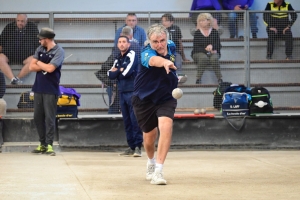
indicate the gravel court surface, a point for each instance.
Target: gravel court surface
{"x":190,"y":174}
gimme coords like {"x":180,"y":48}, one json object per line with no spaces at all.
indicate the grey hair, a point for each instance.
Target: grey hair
{"x":127,"y":31}
{"x":157,"y":29}
{"x":25,"y":15}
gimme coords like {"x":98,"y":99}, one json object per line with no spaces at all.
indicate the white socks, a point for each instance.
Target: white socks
{"x":158,"y":167}
{"x":151,"y":161}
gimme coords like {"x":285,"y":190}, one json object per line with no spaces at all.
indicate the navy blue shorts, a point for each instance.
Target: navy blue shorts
{"x":147,"y":112}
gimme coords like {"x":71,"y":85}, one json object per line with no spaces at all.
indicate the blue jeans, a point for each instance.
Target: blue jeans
{"x":232,"y":19}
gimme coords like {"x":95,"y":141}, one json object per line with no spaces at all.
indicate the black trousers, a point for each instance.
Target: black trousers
{"x":45,"y":106}
{"x":288,"y":37}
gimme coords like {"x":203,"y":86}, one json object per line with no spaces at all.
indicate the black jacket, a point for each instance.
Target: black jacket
{"x":16,"y":43}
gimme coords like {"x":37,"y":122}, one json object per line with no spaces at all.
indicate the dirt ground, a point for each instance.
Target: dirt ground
{"x":190,"y":175}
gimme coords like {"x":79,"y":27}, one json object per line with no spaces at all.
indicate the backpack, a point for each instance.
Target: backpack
{"x":68,"y":97}
{"x":235,"y":104}
{"x":67,"y":103}
{"x":26,"y":100}
{"x":261,"y":101}
{"x":236,"y":100}
{"x":218,"y":94}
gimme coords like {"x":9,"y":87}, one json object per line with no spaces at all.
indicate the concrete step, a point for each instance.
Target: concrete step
{"x":260,"y":72}
{"x":194,"y":97}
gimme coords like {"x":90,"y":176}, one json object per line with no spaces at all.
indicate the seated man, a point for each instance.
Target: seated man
{"x":279,"y":25}
{"x":175,"y":35}
{"x":139,"y":33}
{"x":233,"y":16}
{"x":18,"y":42}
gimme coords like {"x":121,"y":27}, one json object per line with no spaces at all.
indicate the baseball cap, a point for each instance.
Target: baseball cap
{"x":46,"y":33}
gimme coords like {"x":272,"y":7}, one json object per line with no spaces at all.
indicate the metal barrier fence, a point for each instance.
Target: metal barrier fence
{"x":88,"y":40}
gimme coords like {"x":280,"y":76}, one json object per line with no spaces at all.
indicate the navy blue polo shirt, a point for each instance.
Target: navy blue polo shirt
{"x":153,"y":83}
{"x":48,"y":83}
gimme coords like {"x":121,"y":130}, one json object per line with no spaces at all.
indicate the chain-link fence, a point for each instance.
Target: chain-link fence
{"x":248,"y":53}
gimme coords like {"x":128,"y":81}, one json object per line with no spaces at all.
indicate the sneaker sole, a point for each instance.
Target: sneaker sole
{"x":126,"y":155}
{"x":159,"y":183}
{"x":183,"y":79}
{"x":137,"y":155}
{"x":50,"y":154}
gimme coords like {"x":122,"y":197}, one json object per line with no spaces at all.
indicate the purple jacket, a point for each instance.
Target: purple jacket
{"x":230,"y":4}
{"x":206,"y":5}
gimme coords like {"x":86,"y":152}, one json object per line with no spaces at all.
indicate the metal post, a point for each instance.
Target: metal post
{"x":247,"y":48}
{"x":51,"y":20}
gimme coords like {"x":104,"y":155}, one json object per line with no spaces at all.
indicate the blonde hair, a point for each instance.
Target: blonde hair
{"x":205,"y":16}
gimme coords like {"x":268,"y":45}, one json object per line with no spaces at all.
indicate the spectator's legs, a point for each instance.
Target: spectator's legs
{"x":178,"y":62}
{"x":214,"y":60}
{"x":133,"y":132}
{"x":253,"y":25}
{"x":202,"y":61}
{"x":288,"y":37}
{"x":270,"y":43}
{"x":232,"y":17}
{"x":136,"y":131}
{"x":50,"y":107}
{"x":127,"y":121}
{"x":5,"y":68}
{"x":39,"y":117}
{"x":25,"y":70}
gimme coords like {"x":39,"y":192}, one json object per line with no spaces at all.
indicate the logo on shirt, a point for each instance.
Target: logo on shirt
{"x":146,"y":56}
{"x":172,"y":58}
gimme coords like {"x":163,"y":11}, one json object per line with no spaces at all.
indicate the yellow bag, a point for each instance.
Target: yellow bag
{"x":65,"y":100}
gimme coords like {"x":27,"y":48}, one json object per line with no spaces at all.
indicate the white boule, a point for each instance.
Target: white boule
{"x":203,"y":111}
{"x":177,"y":93}
{"x":196,"y":111}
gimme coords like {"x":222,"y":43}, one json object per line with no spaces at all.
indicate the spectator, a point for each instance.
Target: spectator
{"x":279,"y":26}
{"x":138,"y":32}
{"x":134,"y":45}
{"x":175,"y":35}
{"x":18,"y":42}
{"x":114,"y":100}
{"x":207,"y":5}
{"x":152,"y":100}
{"x":206,"y":47}
{"x":233,"y":16}
{"x":125,"y":71}
{"x":47,"y":62}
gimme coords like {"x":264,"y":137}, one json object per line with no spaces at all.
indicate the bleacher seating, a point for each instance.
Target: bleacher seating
{"x":89,"y":41}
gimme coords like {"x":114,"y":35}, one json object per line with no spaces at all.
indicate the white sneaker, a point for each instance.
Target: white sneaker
{"x":158,"y":179}
{"x":150,"y":171}
{"x":182,"y":78}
